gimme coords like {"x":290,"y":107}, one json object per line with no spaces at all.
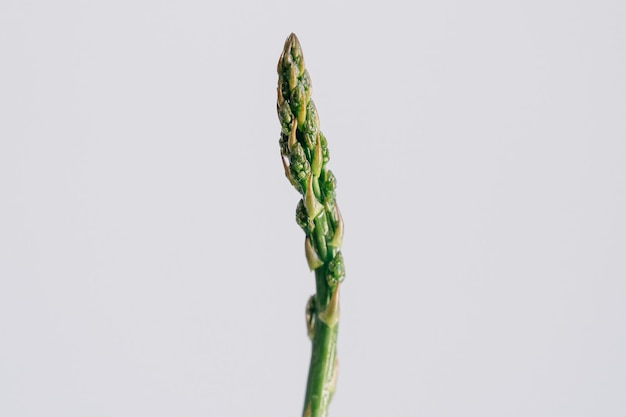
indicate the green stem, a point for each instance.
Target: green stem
{"x":323,"y":367}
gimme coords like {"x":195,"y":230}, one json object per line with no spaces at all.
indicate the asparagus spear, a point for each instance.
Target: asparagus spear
{"x":304,"y":153}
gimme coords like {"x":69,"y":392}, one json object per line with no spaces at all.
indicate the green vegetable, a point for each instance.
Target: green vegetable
{"x":304,"y":152}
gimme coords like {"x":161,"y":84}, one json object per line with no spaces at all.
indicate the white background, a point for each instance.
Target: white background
{"x":150,"y":263}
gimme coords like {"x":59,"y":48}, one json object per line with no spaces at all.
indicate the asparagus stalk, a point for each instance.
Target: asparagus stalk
{"x":304,"y":153}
